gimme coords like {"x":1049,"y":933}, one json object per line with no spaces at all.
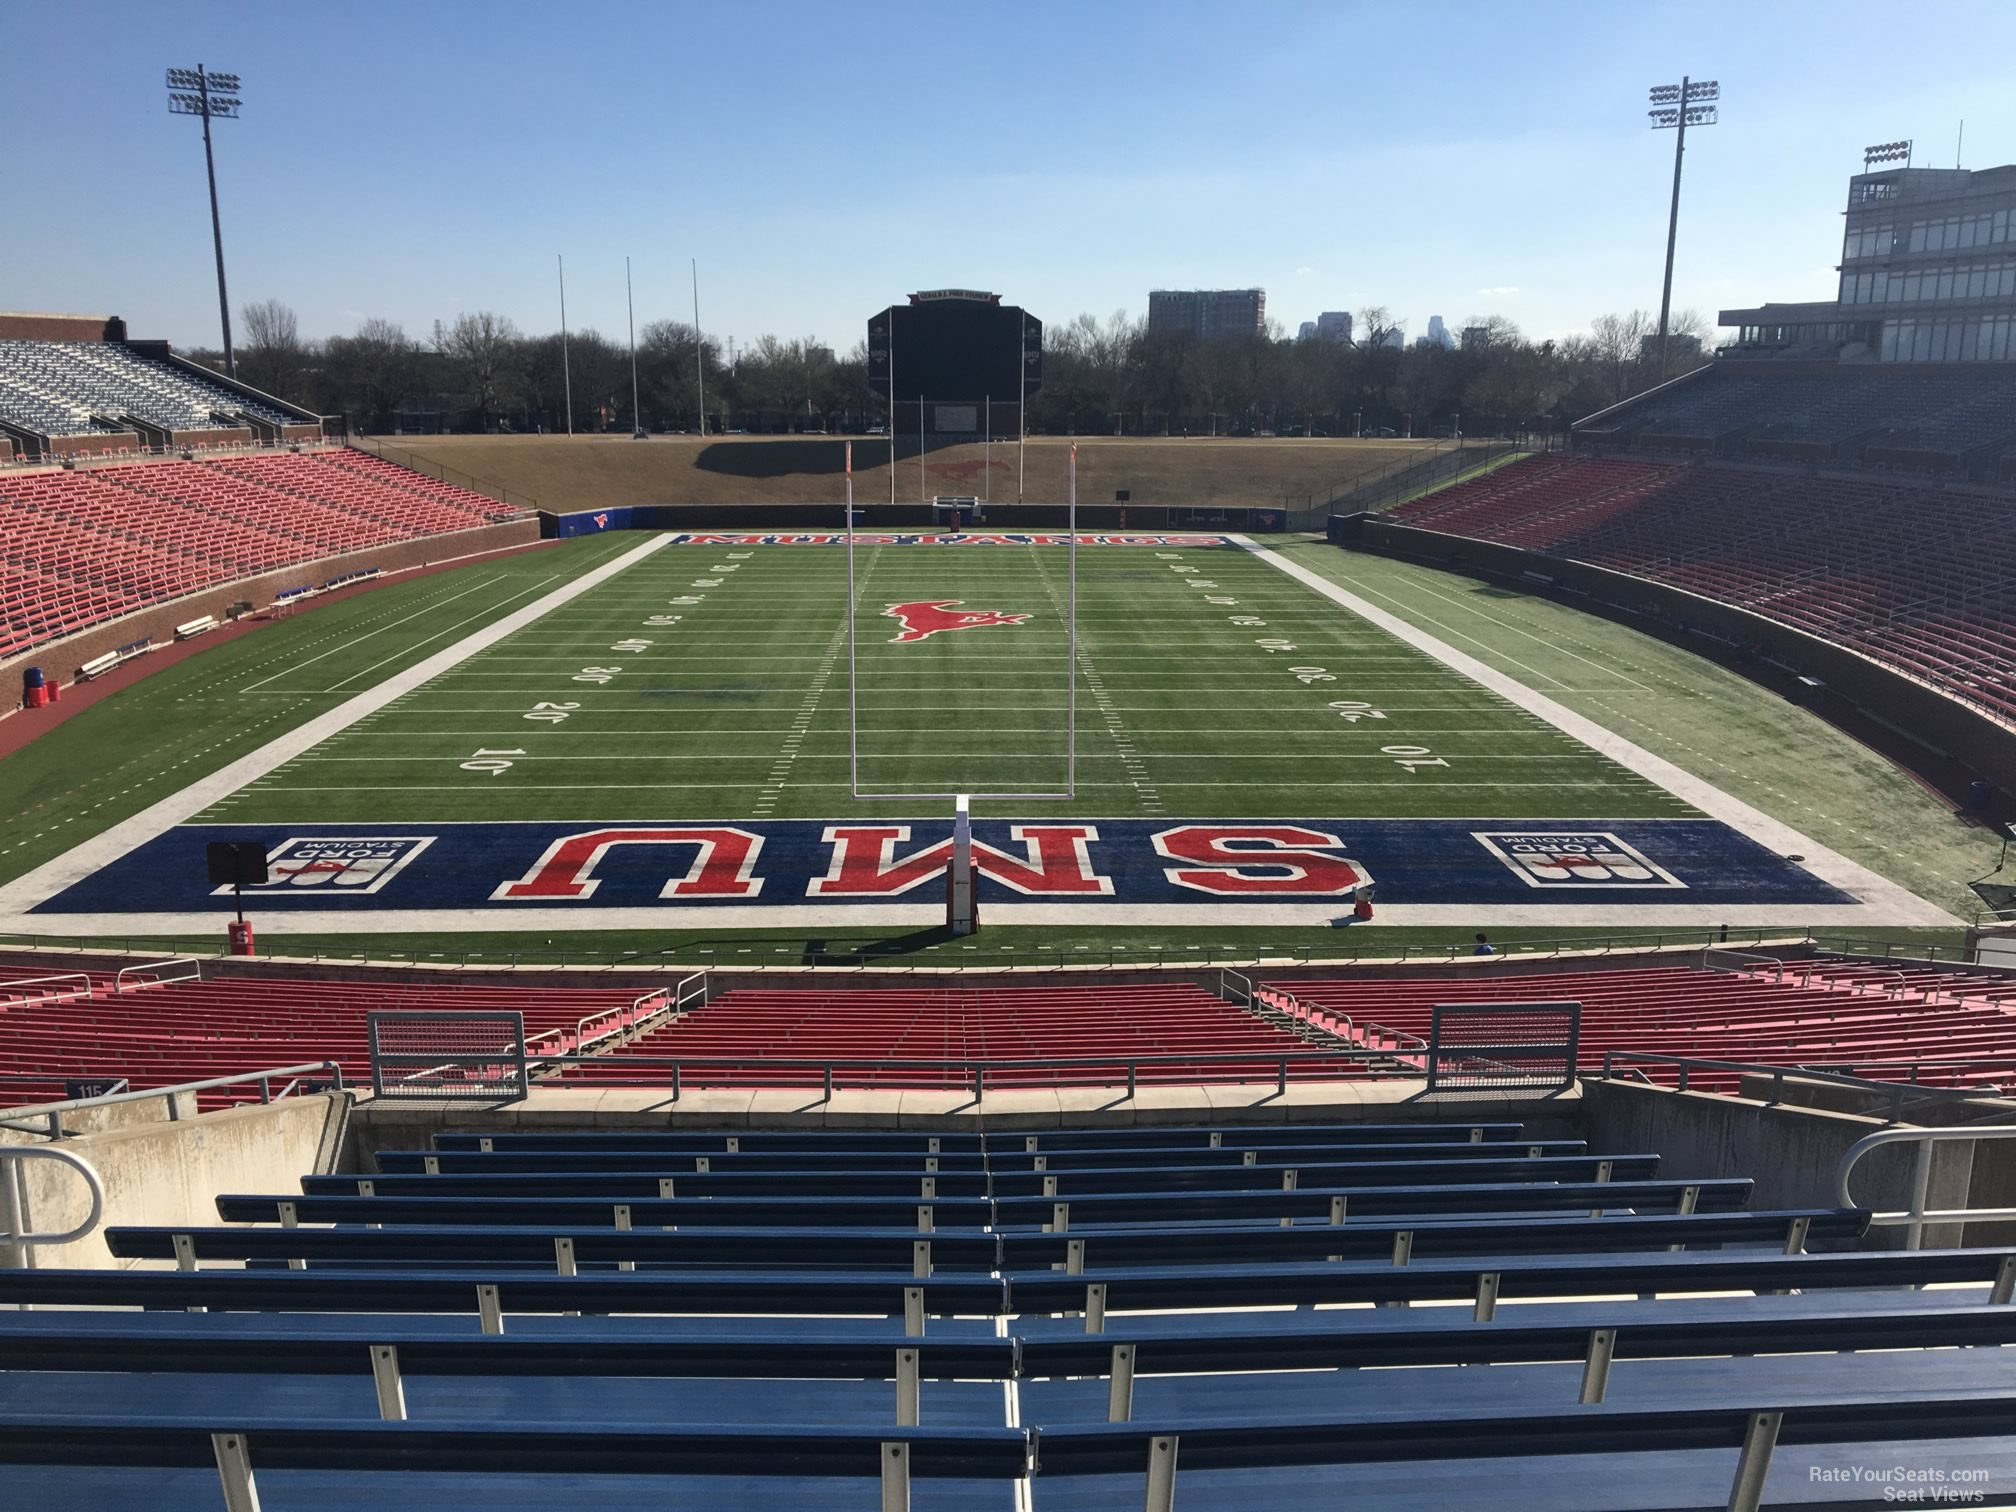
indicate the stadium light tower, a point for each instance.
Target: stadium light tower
{"x":1675,"y":107}
{"x":198,"y":92}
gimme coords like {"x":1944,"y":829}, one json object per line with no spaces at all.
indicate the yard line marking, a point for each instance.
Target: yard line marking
{"x":1897,"y":905}
{"x":349,"y":641}
{"x":533,"y":588}
{"x":74,"y":865}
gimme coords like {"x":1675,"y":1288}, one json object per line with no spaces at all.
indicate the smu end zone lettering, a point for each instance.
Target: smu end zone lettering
{"x":1057,"y":862}
{"x":584,"y":867}
{"x":1235,"y":861}
{"x":723,"y":865}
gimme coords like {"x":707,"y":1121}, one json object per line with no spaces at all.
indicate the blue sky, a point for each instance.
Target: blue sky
{"x":820,"y":161}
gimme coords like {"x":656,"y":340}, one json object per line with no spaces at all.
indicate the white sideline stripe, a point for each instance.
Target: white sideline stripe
{"x":81,"y":861}
{"x":1897,"y":905}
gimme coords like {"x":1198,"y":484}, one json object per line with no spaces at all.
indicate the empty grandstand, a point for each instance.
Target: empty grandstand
{"x":1938,"y":1025}
{"x":1920,"y":578}
{"x":89,"y":544}
{"x":75,"y":386}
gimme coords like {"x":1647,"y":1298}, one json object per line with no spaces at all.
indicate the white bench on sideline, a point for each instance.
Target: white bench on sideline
{"x":196,"y":627}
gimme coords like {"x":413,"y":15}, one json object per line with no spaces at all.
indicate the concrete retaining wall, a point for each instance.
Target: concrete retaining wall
{"x":1790,"y":1152}
{"x":160,"y":1172}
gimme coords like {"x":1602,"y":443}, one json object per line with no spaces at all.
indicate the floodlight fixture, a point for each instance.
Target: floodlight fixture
{"x":1675,"y":108}
{"x":1886,"y":152}
{"x":198,"y":92}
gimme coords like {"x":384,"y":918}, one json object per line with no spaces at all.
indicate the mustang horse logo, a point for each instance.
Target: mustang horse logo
{"x":924,"y":618}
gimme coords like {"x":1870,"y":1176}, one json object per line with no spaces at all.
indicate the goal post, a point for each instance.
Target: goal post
{"x":962,"y":908}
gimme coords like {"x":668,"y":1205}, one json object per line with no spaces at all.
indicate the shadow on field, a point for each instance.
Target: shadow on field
{"x":817,"y":951}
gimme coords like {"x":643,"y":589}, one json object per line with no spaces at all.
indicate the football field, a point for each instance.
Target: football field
{"x":661,"y":728}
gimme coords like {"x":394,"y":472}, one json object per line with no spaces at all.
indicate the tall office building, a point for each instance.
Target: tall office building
{"x":1928,"y":274}
{"x":1335,"y":325}
{"x":1438,"y":333}
{"x":1208,"y":313}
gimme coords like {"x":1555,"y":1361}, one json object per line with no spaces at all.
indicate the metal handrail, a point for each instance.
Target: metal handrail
{"x":52,"y":996}
{"x":119,"y":978}
{"x":54,"y":1111}
{"x":1777,"y":966}
{"x":19,"y":1241}
{"x":1361,"y":1062}
{"x":1898,"y":1092}
{"x":1227,"y":990}
{"x":1915,"y":1217}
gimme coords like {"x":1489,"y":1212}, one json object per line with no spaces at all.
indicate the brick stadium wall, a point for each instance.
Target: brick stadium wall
{"x":300,"y":433}
{"x":1904,"y":704}
{"x":61,"y":659}
{"x":93,"y":444}
{"x":16,"y":327}
{"x":236,"y":435}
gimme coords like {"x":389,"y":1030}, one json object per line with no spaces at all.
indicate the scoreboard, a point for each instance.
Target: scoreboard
{"x":957,"y":345}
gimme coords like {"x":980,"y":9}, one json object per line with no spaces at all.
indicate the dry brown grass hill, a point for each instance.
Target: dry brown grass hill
{"x":596,"y":472}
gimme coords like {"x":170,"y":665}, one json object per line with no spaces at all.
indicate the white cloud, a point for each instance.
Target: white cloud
{"x":1501,"y":289}
{"x":1304,"y":271}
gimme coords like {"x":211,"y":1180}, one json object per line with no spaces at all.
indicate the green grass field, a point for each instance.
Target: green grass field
{"x":1190,"y":701}
{"x":710,"y":683}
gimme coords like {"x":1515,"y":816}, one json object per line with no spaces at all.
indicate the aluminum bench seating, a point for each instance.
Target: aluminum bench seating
{"x":466,"y":1162}
{"x":612,"y":1162}
{"x":1530,"y":1344}
{"x":1082,"y":1247}
{"x":1461,"y":1166}
{"x":387,"y":1465}
{"x":1000,"y":1146}
{"x":1312,"y":1204}
{"x":786,"y":1293}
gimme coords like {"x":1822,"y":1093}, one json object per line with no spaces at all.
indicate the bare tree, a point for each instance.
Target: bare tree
{"x":272,"y":357}
{"x":1618,"y":348}
{"x":1374,"y":326}
{"x":483,"y":352}
{"x":1493,"y":331}
{"x":373,"y":372}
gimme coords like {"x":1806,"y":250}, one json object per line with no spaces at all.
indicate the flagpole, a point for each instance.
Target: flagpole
{"x":566,"y":370}
{"x":636,"y":415}
{"x":699,"y":349}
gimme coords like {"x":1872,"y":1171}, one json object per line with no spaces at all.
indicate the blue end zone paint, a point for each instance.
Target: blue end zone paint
{"x":503,"y":868}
